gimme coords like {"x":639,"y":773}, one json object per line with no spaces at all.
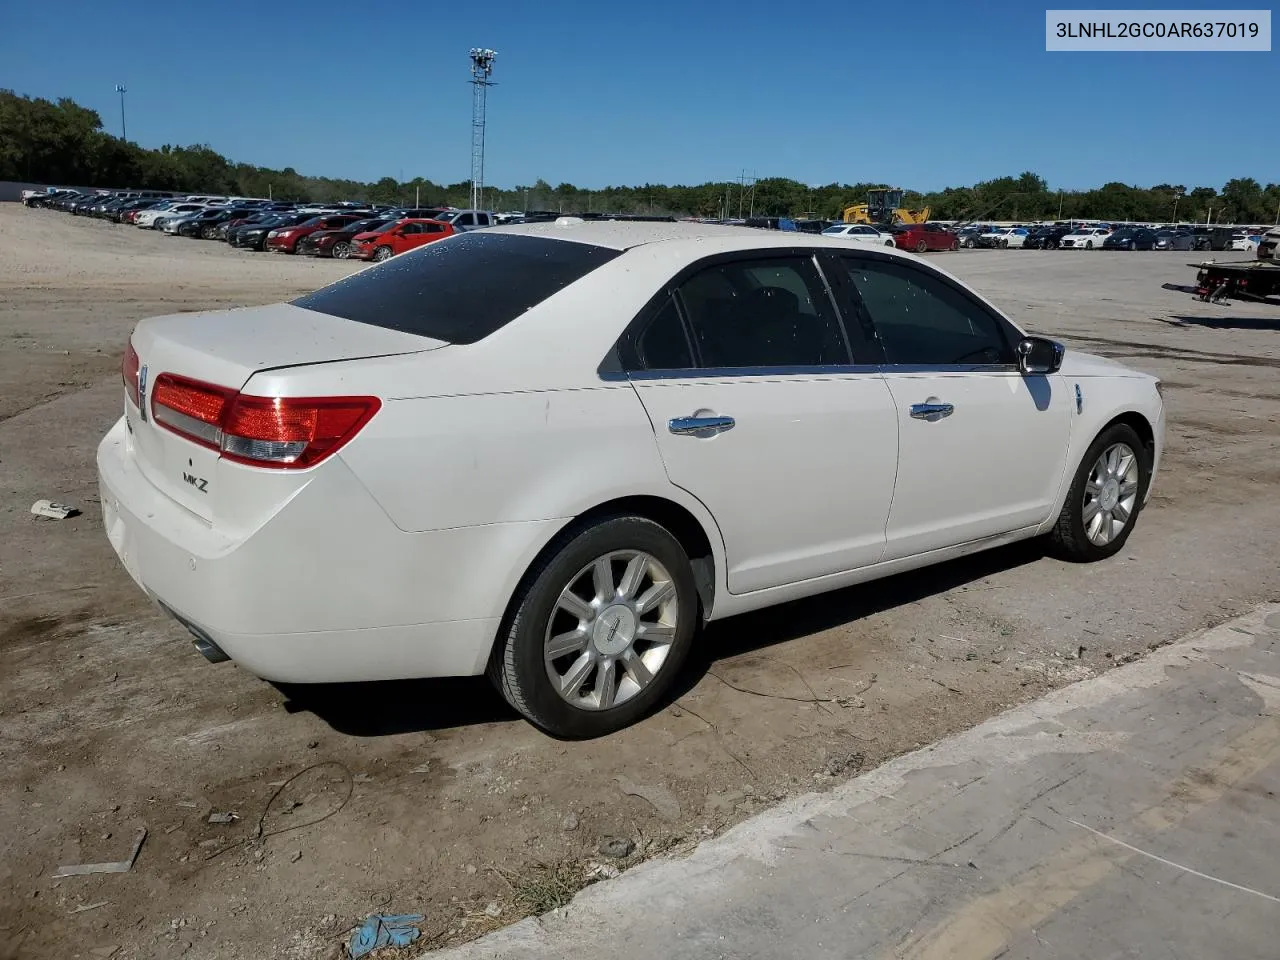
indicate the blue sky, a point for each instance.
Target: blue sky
{"x":924,"y":94}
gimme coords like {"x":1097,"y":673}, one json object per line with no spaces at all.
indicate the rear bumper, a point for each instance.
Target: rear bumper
{"x":325,"y":589}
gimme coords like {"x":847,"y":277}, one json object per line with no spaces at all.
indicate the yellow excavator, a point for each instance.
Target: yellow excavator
{"x":884,"y":206}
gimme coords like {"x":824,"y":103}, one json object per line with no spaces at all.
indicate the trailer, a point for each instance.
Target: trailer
{"x":1256,"y":280}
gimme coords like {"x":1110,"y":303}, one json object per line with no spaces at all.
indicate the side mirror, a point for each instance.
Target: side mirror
{"x":1037,"y":356}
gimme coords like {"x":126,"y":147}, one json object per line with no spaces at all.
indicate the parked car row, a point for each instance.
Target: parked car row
{"x":341,"y":231}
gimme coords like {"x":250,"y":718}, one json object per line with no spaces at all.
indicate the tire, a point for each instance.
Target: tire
{"x":921,"y":246}
{"x":1088,"y":244}
{"x":1071,"y":537}
{"x":1133,"y":245}
{"x":209,"y":233}
{"x":341,"y":250}
{"x":519,"y":667}
{"x":955,"y":245}
{"x":970,"y":243}
{"x":889,"y":243}
{"x":381,"y":254}
{"x":1004,"y":244}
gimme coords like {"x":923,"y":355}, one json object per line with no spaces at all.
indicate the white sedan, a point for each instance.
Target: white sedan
{"x":634,"y":429}
{"x":1085,"y":238}
{"x":147,"y":218}
{"x":1004,"y":237}
{"x":860,"y":233}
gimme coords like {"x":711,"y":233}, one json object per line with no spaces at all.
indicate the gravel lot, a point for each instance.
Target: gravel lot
{"x":431,"y":797}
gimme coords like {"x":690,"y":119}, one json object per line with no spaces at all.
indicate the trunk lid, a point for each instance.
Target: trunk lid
{"x":226,"y":348}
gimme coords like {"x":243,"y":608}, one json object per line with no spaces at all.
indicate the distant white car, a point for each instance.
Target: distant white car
{"x":375,"y":481}
{"x":1086,"y":238}
{"x":1004,"y":237}
{"x":860,"y":233}
{"x":147,"y":218}
{"x":1244,"y":241}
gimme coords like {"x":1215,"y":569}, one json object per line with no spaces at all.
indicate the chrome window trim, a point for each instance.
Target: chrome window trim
{"x":825,"y":370}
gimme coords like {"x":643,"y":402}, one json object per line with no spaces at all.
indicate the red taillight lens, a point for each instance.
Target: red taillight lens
{"x":292,"y":431}
{"x":190,"y":408}
{"x":277,"y":432}
{"x":129,"y":370}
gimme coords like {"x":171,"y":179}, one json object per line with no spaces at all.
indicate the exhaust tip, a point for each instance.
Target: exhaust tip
{"x":203,"y":642}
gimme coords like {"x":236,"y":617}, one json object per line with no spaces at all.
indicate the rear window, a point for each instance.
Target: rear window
{"x":461,"y":289}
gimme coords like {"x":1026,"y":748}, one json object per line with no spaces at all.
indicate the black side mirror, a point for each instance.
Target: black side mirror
{"x":1037,"y":356}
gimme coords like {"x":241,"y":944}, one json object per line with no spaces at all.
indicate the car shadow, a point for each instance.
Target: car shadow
{"x":385,"y":708}
{"x":1226,"y":323}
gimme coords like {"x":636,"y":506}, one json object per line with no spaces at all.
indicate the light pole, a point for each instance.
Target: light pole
{"x":481,"y":70}
{"x":1177,"y":195}
{"x":122,"y":90}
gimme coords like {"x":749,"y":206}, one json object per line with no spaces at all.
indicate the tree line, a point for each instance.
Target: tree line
{"x":61,"y":142}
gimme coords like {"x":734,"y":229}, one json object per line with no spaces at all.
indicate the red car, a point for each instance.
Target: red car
{"x":924,"y":236}
{"x":398,"y":237}
{"x":285,"y":239}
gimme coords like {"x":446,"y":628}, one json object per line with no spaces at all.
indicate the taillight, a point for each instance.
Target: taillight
{"x":190,"y":408}
{"x":281,"y":432}
{"x":129,"y":370}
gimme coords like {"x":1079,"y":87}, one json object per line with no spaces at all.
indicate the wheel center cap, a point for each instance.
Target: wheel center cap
{"x":614,"y":630}
{"x":1110,"y":495}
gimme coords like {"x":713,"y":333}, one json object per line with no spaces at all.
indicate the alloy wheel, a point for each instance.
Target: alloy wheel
{"x":1110,"y":494}
{"x":341,"y":250}
{"x":611,"y":630}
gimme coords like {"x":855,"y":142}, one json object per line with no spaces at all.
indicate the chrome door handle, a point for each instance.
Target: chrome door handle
{"x":699,"y":426}
{"x":931,"y":410}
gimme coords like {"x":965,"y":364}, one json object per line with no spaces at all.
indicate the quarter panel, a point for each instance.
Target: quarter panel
{"x":453,"y":461}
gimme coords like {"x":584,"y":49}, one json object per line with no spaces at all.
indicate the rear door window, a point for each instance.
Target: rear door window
{"x":460,"y":289}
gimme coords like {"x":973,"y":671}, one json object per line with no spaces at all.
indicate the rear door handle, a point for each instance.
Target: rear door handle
{"x":700,"y":426}
{"x":931,"y":410}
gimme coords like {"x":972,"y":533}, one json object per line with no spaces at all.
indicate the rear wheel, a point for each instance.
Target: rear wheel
{"x":598,"y":629}
{"x":341,"y":250}
{"x":921,"y":246}
{"x":1105,"y":497}
{"x":382,"y":253}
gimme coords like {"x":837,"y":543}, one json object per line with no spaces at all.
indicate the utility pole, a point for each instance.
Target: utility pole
{"x":481,"y":70}
{"x":122,"y":90}
{"x":1059,"y":204}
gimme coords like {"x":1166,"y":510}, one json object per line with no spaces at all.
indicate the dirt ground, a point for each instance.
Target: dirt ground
{"x":432,"y":797}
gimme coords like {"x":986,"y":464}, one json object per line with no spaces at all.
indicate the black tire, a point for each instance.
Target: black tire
{"x":209,"y":233}
{"x":517,"y":667}
{"x":381,"y":254}
{"x":341,"y":250}
{"x":1068,"y":539}
{"x":921,"y":246}
{"x":889,"y":243}
{"x":1088,"y":244}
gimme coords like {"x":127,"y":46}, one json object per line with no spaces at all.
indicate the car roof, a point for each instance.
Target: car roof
{"x":679,"y":241}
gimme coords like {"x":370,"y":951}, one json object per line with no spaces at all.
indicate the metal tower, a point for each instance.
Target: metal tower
{"x":481,"y":69}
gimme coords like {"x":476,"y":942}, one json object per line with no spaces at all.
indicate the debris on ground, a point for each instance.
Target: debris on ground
{"x":569,"y":823}
{"x":89,"y":906}
{"x":493,"y":910}
{"x":384,"y":930}
{"x":616,"y":847}
{"x":53,"y":510}
{"x":118,"y":866}
{"x":602,"y":871}
{"x":851,"y":763}
{"x":661,"y":799}
{"x":223,"y":817}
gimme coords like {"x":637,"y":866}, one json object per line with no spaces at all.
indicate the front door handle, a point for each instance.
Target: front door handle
{"x":931,"y":410}
{"x":699,"y":426}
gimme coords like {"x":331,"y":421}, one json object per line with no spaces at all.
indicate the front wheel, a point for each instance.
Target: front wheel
{"x":209,"y":233}
{"x":1088,"y":244}
{"x":888,"y":243}
{"x":382,"y":253}
{"x":598,"y":629}
{"x":1105,"y":497}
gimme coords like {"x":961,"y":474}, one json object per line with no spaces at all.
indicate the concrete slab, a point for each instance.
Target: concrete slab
{"x":1133,"y":814}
